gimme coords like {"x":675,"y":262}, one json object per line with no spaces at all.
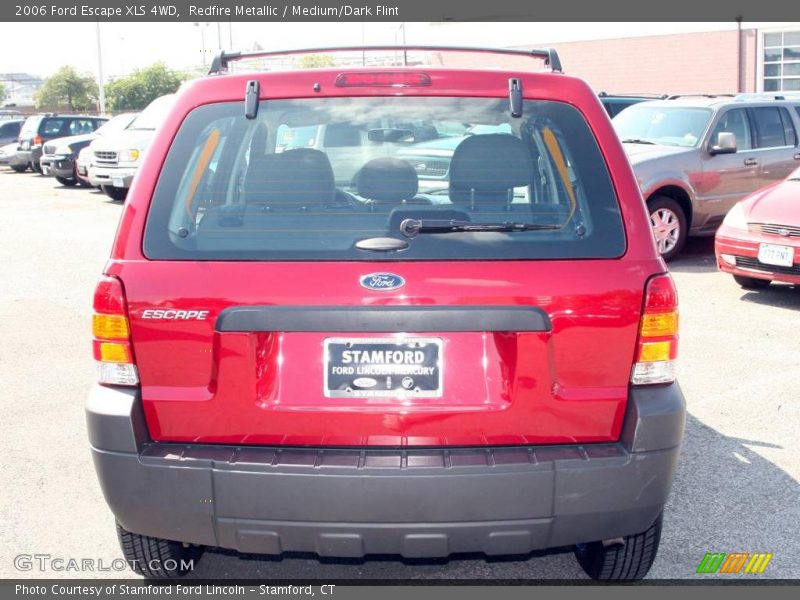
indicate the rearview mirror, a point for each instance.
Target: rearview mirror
{"x":724,"y":144}
{"x":393,"y":136}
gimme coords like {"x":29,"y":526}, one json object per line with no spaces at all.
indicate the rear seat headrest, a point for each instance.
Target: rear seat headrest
{"x":388,"y":180}
{"x":487,"y":166}
{"x":291,"y":180}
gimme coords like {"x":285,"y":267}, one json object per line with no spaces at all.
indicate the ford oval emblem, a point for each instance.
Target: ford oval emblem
{"x":382,"y":282}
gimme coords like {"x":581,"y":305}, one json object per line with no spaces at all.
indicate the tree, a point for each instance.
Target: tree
{"x":66,"y":88}
{"x":143,"y":86}
{"x":316,"y":61}
{"x":2,"y":91}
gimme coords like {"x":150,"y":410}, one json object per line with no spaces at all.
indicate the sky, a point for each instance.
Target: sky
{"x":126,"y":46}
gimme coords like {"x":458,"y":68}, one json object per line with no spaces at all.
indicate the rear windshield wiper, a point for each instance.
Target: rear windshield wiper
{"x":638,"y":141}
{"x":412,"y":227}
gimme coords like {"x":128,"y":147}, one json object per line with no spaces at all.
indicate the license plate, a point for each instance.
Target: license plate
{"x":779,"y":256}
{"x":382,"y":367}
{"x":45,"y":170}
{"x":118,"y":182}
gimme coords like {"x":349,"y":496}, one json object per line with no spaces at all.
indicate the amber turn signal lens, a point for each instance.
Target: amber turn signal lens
{"x":660,"y":324}
{"x":110,"y":327}
{"x":115,"y":353}
{"x":655,"y":351}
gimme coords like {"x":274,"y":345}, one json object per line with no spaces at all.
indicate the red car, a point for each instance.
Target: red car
{"x":299,"y":350}
{"x":759,"y":240}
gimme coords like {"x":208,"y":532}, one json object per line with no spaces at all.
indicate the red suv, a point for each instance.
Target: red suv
{"x":300,"y":350}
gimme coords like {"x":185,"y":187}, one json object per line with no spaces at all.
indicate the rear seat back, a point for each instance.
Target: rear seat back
{"x":387,"y":181}
{"x":485,"y":169}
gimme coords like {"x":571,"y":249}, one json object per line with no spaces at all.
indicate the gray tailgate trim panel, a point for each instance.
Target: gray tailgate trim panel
{"x":382,"y":319}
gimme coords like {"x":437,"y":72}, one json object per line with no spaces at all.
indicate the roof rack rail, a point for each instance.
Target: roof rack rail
{"x":221,"y":60}
{"x":604,"y":94}
{"x":676,"y":96}
{"x":767,"y":96}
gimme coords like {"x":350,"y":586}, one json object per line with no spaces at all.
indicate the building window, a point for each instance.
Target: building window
{"x":782,"y":61}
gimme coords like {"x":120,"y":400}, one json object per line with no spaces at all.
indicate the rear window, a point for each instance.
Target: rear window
{"x":322,"y":179}
{"x":51,"y":127}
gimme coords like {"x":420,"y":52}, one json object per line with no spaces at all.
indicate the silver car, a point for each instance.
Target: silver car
{"x":696,"y":156}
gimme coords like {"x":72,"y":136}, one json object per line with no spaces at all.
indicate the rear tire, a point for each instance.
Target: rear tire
{"x":20,"y":168}
{"x":115,"y":193}
{"x":36,"y":167}
{"x":751,"y":283}
{"x":66,"y":182}
{"x":155,"y":558}
{"x":627,"y":562}
{"x":668,"y":222}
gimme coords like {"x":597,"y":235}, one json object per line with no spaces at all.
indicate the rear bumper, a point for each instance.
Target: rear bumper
{"x":19,"y":158}
{"x":416,"y":503}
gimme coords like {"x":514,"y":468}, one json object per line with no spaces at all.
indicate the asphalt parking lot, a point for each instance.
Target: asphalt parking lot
{"x":736,"y":489}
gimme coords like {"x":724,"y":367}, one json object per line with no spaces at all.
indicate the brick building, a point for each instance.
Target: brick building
{"x":709,"y":62}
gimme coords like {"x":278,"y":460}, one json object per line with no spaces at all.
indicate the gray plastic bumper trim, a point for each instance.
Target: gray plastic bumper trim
{"x":412,"y":502}
{"x":382,"y":319}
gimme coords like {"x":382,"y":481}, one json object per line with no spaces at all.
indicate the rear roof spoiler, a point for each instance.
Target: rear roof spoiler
{"x":549,"y":56}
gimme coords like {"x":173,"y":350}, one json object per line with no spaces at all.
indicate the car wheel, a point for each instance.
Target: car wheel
{"x":751,"y":283}
{"x":669,"y":226}
{"x":155,"y":558}
{"x":115,"y":193}
{"x":36,"y":167}
{"x":66,"y":182}
{"x":628,"y":561}
{"x":20,"y":168}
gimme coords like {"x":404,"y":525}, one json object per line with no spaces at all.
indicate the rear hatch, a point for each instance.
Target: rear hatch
{"x":285,"y":301}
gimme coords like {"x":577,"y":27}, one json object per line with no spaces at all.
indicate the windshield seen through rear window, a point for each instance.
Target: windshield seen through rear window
{"x":325,"y":179}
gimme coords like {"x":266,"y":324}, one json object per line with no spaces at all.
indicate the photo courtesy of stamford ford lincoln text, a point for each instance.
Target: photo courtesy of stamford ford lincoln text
{"x":322,"y":299}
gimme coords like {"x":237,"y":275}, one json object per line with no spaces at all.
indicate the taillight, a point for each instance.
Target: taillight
{"x":657,"y":347}
{"x":383,"y":79}
{"x":38,"y":140}
{"x":112,"y":338}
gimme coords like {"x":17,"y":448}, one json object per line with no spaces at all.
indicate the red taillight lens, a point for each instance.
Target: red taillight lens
{"x":657,"y":346}
{"x":38,"y":140}
{"x":383,"y":79}
{"x":111,"y":333}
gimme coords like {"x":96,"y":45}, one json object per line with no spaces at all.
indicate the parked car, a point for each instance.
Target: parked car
{"x":9,"y":131}
{"x":292,"y":360}
{"x":115,"y":158}
{"x":6,"y":152}
{"x":39,"y":129}
{"x":616,"y":103}
{"x":759,"y":240}
{"x":696,"y":156}
{"x":431,"y":159}
{"x":59,"y":155}
{"x":6,"y":114}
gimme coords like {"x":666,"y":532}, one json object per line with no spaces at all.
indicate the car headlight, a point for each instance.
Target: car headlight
{"x":129,"y":155}
{"x":63,"y":150}
{"x":736,"y":217}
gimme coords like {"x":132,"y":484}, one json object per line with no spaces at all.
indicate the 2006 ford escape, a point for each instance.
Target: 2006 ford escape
{"x":299,"y":350}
